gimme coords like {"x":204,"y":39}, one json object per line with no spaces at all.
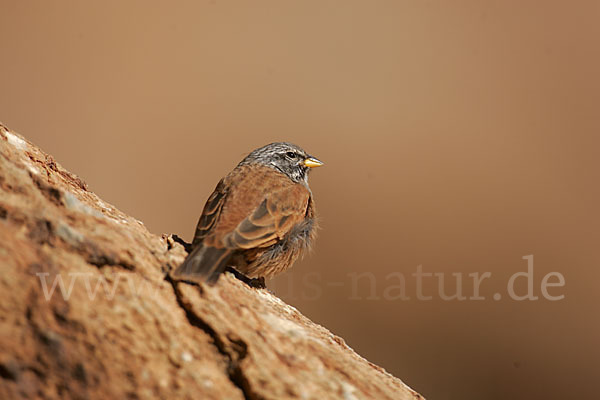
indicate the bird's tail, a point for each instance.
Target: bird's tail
{"x":203,"y":264}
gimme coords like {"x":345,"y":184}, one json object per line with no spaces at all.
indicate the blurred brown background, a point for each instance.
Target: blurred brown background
{"x":460,"y":136}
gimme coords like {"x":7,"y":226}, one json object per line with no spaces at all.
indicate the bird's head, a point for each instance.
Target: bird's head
{"x":287,"y":158}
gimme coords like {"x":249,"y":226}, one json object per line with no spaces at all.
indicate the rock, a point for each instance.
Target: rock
{"x":87,"y":310}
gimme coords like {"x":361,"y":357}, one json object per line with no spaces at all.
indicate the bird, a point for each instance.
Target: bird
{"x":259,"y":219}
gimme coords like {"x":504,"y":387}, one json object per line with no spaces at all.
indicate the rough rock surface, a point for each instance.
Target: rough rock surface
{"x":87,"y":310}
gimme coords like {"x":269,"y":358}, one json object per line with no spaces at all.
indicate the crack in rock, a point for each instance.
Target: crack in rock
{"x":234,"y":350}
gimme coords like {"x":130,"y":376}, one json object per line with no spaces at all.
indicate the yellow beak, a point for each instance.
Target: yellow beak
{"x":312,"y":162}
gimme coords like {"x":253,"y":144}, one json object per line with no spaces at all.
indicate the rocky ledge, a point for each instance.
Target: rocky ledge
{"x":87,"y":310}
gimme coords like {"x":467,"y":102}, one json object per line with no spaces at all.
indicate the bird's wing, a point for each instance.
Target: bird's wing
{"x":210,"y":213}
{"x":254,"y":206}
{"x":271,"y":220}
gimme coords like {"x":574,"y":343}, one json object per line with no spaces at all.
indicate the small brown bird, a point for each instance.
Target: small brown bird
{"x":259,"y":218}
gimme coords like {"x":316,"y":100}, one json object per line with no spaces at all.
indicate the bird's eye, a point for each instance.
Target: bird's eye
{"x":291,"y":154}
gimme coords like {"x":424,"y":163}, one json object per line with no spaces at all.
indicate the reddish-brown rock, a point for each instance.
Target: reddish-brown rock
{"x":87,"y":310}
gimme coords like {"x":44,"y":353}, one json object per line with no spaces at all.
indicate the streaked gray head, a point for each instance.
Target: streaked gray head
{"x":286,"y":158}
